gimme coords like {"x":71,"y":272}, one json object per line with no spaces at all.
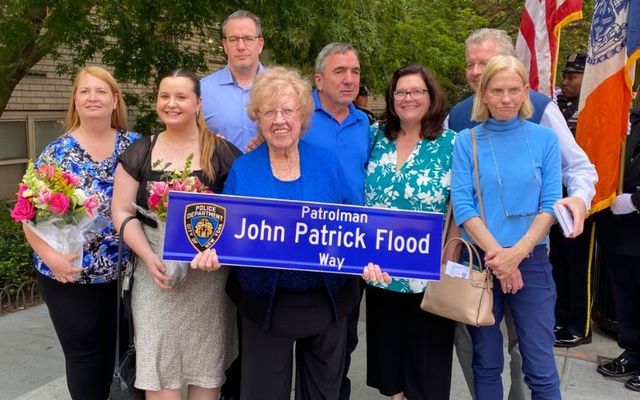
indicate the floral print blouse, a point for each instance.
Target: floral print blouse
{"x":421,"y":184}
{"x":100,"y":254}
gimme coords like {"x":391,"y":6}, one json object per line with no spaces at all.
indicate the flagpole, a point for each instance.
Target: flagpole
{"x":622,"y":162}
{"x":555,"y":65}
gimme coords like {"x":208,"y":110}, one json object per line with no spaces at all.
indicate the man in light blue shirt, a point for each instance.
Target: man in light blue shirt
{"x":337,"y":124}
{"x":225,"y":93}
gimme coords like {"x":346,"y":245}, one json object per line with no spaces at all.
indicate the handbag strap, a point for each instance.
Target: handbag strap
{"x":445,"y":231}
{"x":471,"y":249}
{"x":476,"y":174}
{"x":120,"y":267}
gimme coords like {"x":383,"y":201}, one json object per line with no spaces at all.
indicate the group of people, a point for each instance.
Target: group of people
{"x":315,"y":145}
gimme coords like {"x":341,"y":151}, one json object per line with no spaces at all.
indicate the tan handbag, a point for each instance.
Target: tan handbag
{"x":467,"y":300}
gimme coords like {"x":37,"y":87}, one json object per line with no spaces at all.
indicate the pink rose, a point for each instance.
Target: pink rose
{"x":21,"y":190}
{"x":59,"y":204}
{"x":23,"y":210}
{"x":159,"y":188}
{"x":91,"y":203}
{"x":71,"y":179}
{"x":44,"y":196}
{"x":47,"y":170}
{"x":154,"y":200}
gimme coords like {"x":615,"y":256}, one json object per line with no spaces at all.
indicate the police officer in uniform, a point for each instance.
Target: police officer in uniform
{"x":570,"y":257}
{"x":362,"y":101}
{"x":619,"y":239}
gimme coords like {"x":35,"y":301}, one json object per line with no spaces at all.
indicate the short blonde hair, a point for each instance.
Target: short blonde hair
{"x":275,"y":81}
{"x":119,"y":115}
{"x":480,"y":111}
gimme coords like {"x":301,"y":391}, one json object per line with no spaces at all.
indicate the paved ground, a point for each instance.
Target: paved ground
{"x":32,"y":365}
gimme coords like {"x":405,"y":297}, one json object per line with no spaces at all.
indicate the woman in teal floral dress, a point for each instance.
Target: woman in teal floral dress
{"x":409,"y":351}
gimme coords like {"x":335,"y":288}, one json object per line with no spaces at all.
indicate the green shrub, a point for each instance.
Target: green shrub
{"x":16,"y":265}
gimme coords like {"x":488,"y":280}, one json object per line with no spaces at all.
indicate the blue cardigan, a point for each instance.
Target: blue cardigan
{"x":253,"y":290}
{"x":526,"y":157}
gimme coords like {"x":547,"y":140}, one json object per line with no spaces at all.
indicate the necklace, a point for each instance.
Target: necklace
{"x":178,"y":148}
{"x":287,"y":170}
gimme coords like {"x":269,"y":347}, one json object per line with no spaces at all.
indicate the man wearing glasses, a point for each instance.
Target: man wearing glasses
{"x":578,"y":176}
{"x":225,"y":93}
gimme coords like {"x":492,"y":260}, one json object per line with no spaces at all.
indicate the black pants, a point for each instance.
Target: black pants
{"x":571,"y":272}
{"x":267,"y":355}
{"x":624,"y":278}
{"x":408,"y":350}
{"x":352,"y":343}
{"x":84,"y":317}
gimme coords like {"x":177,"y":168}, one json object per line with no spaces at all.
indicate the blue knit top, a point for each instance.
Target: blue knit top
{"x":321,"y":179}
{"x":520,"y":175}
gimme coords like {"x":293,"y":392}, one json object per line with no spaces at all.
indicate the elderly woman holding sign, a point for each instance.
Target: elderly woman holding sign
{"x":409,"y":351}
{"x":280,"y":307}
{"x":518,"y":165}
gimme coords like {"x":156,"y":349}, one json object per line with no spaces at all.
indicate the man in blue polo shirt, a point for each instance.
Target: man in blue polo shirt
{"x":225,"y":93}
{"x":337,"y":124}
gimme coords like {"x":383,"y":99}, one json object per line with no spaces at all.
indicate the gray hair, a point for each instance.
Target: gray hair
{"x":332,"y":48}
{"x":243,"y":14}
{"x":505,"y":44}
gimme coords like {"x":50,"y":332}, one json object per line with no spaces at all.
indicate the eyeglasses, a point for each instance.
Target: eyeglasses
{"x":535,"y":178}
{"x":286,"y":113}
{"x":247,"y":40}
{"x":416,"y":94}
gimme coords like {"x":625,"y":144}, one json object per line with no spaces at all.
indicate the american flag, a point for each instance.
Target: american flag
{"x":537,"y":43}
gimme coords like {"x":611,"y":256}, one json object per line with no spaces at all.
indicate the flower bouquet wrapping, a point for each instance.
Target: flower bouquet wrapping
{"x":52,"y":206}
{"x":158,"y":202}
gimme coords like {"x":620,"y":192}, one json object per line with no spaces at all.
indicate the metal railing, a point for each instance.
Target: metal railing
{"x":16,"y":297}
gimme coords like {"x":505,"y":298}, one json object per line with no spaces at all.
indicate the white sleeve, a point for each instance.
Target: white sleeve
{"x":579,"y":176}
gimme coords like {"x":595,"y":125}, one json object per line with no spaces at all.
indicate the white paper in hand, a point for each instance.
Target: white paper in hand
{"x":565,"y":219}
{"x":456,"y":270}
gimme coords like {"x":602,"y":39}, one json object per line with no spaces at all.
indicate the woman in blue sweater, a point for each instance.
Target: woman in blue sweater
{"x":519,"y":169}
{"x":279,"y":307}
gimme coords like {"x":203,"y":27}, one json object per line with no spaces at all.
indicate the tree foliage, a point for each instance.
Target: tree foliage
{"x":142,"y":39}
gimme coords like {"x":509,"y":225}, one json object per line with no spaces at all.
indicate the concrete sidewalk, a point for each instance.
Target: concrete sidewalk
{"x":32,"y":365}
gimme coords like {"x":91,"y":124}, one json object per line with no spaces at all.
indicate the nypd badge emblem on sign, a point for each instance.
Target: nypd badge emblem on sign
{"x":204,"y":224}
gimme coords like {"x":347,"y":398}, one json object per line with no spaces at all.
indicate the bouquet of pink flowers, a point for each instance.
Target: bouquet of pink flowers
{"x":158,"y":203}
{"x":172,"y":180}
{"x":52,"y":205}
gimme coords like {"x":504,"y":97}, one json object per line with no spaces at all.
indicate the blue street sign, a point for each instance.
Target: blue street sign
{"x":300,"y":235}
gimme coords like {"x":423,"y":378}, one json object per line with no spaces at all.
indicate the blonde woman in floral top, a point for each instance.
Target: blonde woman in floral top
{"x":409,"y":351}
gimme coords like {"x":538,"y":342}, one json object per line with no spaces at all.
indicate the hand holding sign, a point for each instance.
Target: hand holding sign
{"x":373,"y":274}
{"x":206,"y":260}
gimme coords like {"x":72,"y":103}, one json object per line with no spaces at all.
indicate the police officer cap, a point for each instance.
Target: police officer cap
{"x":575,"y":62}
